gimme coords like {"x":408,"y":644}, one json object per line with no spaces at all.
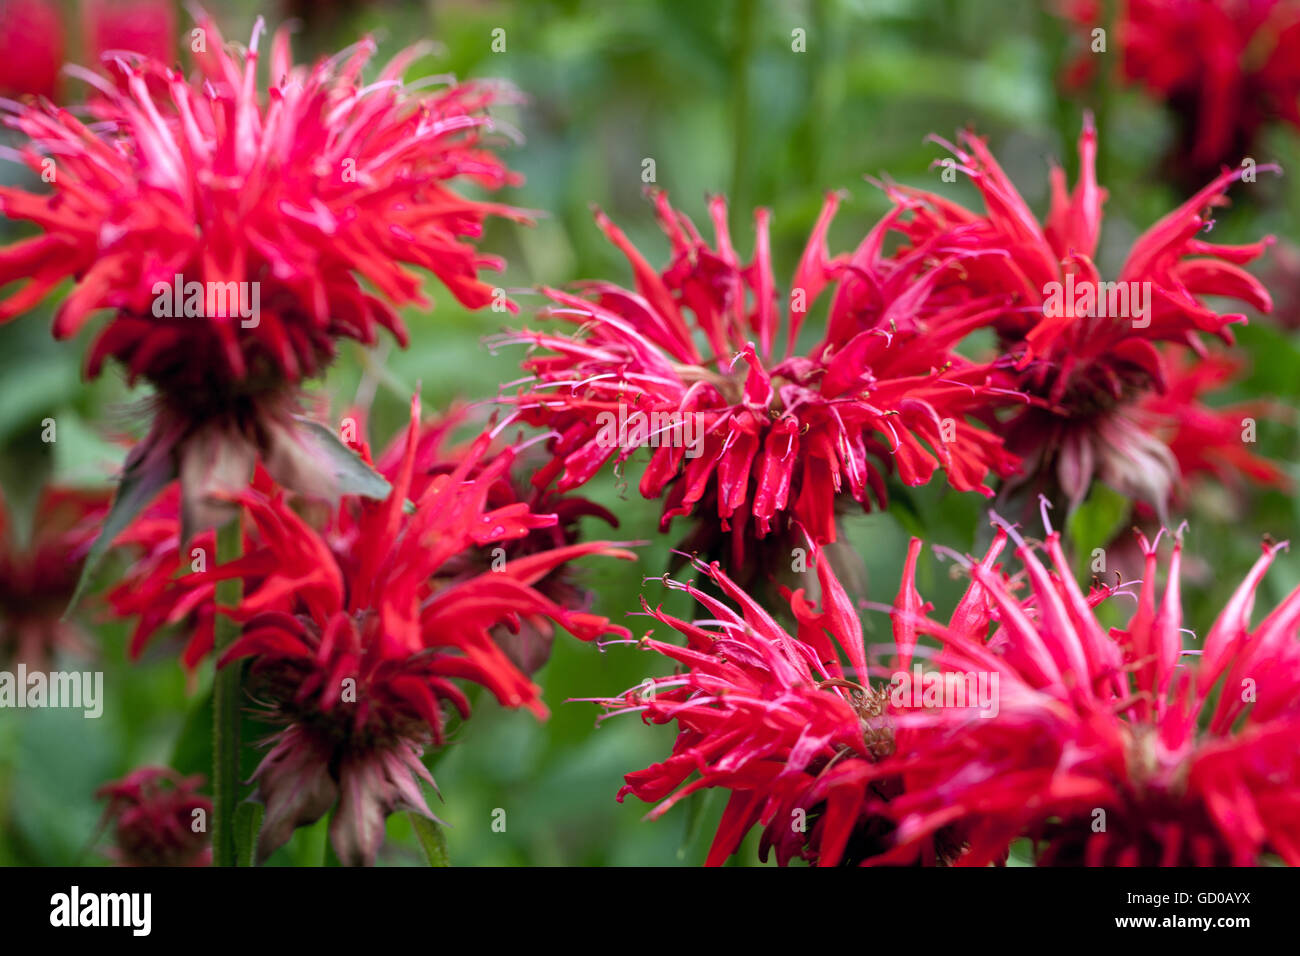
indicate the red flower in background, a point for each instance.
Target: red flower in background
{"x":31,"y":48}
{"x":1225,"y":67}
{"x":1089,"y":367}
{"x":1184,"y":764}
{"x":700,"y":364}
{"x":308,"y":196}
{"x":157,"y":590}
{"x":778,"y":721}
{"x":156,"y":814}
{"x":356,"y":636}
{"x":146,"y":27}
{"x":38,"y":574}
{"x":1210,"y":443}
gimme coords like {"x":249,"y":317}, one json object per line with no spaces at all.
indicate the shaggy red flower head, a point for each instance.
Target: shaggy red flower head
{"x":700,"y":366}
{"x":356,"y":649}
{"x":39,"y":571}
{"x":31,"y":47}
{"x":1225,"y":67}
{"x":776,"y":720}
{"x":1183,"y":763}
{"x":159,"y":818}
{"x":1086,"y":347}
{"x":154,"y":592}
{"x":235,"y":234}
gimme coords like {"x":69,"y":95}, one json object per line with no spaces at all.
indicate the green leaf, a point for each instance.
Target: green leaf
{"x":353,"y":475}
{"x":140,"y":484}
{"x":699,"y":811}
{"x":248,"y":823}
{"x":432,"y":839}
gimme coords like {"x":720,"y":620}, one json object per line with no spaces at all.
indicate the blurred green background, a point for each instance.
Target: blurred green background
{"x":714,"y":94}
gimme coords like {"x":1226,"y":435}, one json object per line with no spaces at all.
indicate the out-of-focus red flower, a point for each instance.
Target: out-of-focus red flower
{"x":31,"y":47}
{"x":1282,"y":278}
{"x":775,"y":719}
{"x":1106,"y":747}
{"x":700,"y":365}
{"x":278,"y":212}
{"x":159,"y":818}
{"x":1210,"y":442}
{"x":1225,"y":67}
{"x":1087,"y":348}
{"x":39,"y":570}
{"x":356,"y":649}
{"x":146,"y":27}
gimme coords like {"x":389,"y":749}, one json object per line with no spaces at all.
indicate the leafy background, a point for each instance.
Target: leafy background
{"x":713,"y":92}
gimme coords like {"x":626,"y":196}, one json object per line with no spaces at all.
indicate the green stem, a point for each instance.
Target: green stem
{"x":225,"y":706}
{"x":330,"y":858}
{"x":741,"y":54}
{"x":433,"y":840}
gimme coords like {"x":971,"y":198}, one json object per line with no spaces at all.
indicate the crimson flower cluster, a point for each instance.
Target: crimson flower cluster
{"x":292,"y":203}
{"x":1089,"y":350}
{"x":1116,"y":747}
{"x":1094,"y":752}
{"x":159,"y":818}
{"x":357,"y":633}
{"x":240,"y":223}
{"x":702,"y":364}
{"x":39,"y":570}
{"x":1226,"y":69}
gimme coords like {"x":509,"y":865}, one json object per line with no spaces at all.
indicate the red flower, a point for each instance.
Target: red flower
{"x":1226,"y":67}
{"x":303,"y":198}
{"x":1209,"y":442}
{"x":355,"y":649}
{"x":38,"y":573}
{"x":150,"y":590}
{"x":740,"y":424}
{"x":776,"y":720}
{"x":147,"y":27}
{"x":1086,"y":348}
{"x":153,"y":591}
{"x":31,"y":47}
{"x":159,"y":818}
{"x":1106,"y":748}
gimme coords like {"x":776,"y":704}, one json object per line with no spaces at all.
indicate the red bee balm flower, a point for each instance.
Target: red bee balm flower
{"x":740,"y":424}
{"x":776,"y":720}
{"x":38,"y":573}
{"x":356,"y":650}
{"x":1105,"y":748}
{"x":1226,"y":67}
{"x":1086,"y":347}
{"x":31,"y":47}
{"x":138,"y":26}
{"x":159,"y":818}
{"x":234,"y":236}
{"x":151,"y":591}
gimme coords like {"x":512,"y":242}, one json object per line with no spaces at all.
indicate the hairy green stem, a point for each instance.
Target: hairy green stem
{"x":225,"y":707}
